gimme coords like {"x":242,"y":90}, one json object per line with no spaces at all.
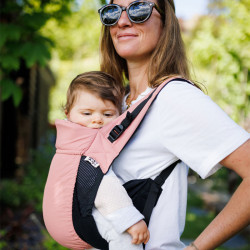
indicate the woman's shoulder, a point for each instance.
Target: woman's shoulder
{"x":181,"y":84}
{"x":179,"y":91}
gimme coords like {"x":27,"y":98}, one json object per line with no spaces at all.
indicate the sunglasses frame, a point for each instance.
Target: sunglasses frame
{"x":122,"y":8}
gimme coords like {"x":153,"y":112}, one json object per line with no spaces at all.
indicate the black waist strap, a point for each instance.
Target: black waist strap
{"x":156,"y":190}
{"x":145,"y":192}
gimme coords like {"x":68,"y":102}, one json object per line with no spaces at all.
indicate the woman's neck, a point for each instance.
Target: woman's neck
{"x":138,"y":79}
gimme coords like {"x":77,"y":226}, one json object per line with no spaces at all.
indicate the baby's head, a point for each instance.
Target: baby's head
{"x":93,"y":99}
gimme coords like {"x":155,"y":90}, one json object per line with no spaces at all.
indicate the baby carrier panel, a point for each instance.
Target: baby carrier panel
{"x":77,"y":170}
{"x":57,"y":201}
{"x":64,"y":214}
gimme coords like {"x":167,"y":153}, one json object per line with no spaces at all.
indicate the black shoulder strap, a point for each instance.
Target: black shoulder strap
{"x":117,"y":131}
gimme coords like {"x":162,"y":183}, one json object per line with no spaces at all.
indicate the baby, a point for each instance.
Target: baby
{"x":93,"y":100}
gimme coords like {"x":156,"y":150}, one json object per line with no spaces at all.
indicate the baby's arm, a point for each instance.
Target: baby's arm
{"x":113,"y":202}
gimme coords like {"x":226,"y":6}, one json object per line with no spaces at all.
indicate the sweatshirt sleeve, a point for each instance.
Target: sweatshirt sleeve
{"x":113,"y":202}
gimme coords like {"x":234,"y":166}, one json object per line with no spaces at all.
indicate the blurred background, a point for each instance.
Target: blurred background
{"x":44,"y":44}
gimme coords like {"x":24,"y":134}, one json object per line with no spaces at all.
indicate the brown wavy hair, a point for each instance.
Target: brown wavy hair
{"x":101,"y":84}
{"x":167,"y":60}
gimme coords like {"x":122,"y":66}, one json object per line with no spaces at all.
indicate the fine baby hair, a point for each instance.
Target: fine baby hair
{"x":101,"y":84}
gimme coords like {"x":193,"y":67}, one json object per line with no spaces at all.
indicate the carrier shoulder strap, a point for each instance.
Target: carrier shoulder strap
{"x":156,"y":184}
{"x":129,"y":121}
{"x":118,"y":130}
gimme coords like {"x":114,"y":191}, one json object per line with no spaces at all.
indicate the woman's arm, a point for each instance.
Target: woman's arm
{"x":236,"y":214}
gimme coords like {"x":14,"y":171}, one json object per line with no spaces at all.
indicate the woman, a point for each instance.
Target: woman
{"x":141,"y":43}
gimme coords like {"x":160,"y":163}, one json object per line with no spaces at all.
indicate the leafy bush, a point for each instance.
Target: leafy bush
{"x":29,"y":188}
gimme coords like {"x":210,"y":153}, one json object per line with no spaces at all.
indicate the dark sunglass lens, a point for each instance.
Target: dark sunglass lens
{"x":110,"y":15}
{"x":139,"y":12}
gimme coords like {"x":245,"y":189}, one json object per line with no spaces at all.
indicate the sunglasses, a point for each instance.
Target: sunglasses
{"x":137,"y":11}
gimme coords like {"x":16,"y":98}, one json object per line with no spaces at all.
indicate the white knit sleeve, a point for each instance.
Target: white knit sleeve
{"x":113,"y":202}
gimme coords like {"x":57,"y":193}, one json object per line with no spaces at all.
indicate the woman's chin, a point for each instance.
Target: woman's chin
{"x":128,"y":53}
{"x":127,"y":50}
{"x":134,"y":53}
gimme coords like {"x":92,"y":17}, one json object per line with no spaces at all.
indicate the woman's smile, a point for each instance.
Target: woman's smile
{"x":125,"y":36}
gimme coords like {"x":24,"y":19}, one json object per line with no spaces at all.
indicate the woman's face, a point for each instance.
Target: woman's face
{"x":136,"y":42}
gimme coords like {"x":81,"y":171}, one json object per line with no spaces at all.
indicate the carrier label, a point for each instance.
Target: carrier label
{"x":94,"y":163}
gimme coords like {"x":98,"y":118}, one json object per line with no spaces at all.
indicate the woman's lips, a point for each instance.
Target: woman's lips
{"x":126,"y":36}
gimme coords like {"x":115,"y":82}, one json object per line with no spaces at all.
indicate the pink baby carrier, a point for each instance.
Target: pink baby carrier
{"x":77,"y":171}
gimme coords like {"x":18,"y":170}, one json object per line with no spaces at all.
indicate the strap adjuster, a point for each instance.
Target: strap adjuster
{"x":115,"y":133}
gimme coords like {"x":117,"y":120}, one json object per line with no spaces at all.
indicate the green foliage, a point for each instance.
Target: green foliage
{"x":77,"y":36}
{"x":3,"y":243}
{"x":198,"y":218}
{"x":197,"y":223}
{"x":220,"y":49}
{"x":49,"y":243}
{"x":194,"y":200}
{"x":103,"y":1}
{"x":29,"y":188}
{"x":76,"y":50}
{"x":21,"y":38}
{"x":9,"y":88}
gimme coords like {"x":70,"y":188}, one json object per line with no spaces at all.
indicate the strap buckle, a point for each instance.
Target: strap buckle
{"x":115,"y":133}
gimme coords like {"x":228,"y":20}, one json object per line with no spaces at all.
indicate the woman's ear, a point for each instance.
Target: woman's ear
{"x":66,"y":113}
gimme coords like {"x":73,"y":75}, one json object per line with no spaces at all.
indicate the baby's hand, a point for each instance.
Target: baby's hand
{"x":139,"y":232}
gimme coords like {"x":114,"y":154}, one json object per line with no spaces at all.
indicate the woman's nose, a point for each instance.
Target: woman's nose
{"x":124,"y":20}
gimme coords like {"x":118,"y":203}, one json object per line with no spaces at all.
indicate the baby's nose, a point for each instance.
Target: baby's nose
{"x":98,"y":119}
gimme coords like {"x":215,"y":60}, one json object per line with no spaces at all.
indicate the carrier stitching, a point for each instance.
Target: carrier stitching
{"x":68,"y":152}
{"x":83,"y":151}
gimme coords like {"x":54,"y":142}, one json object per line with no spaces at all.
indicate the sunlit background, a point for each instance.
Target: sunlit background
{"x":45,"y":44}
{"x":188,"y":9}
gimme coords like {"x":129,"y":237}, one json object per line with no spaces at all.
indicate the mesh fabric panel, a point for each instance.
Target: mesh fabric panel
{"x":87,"y":183}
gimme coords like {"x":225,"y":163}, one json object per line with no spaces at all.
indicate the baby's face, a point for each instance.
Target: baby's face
{"x":91,"y":111}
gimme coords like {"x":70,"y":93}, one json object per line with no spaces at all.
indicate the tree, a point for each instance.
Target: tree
{"x":77,"y":36}
{"x":220,"y":47}
{"x":23,"y":51}
{"x":21,"y":40}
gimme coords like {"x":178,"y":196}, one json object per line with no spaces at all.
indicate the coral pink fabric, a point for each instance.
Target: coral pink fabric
{"x":58,"y":193}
